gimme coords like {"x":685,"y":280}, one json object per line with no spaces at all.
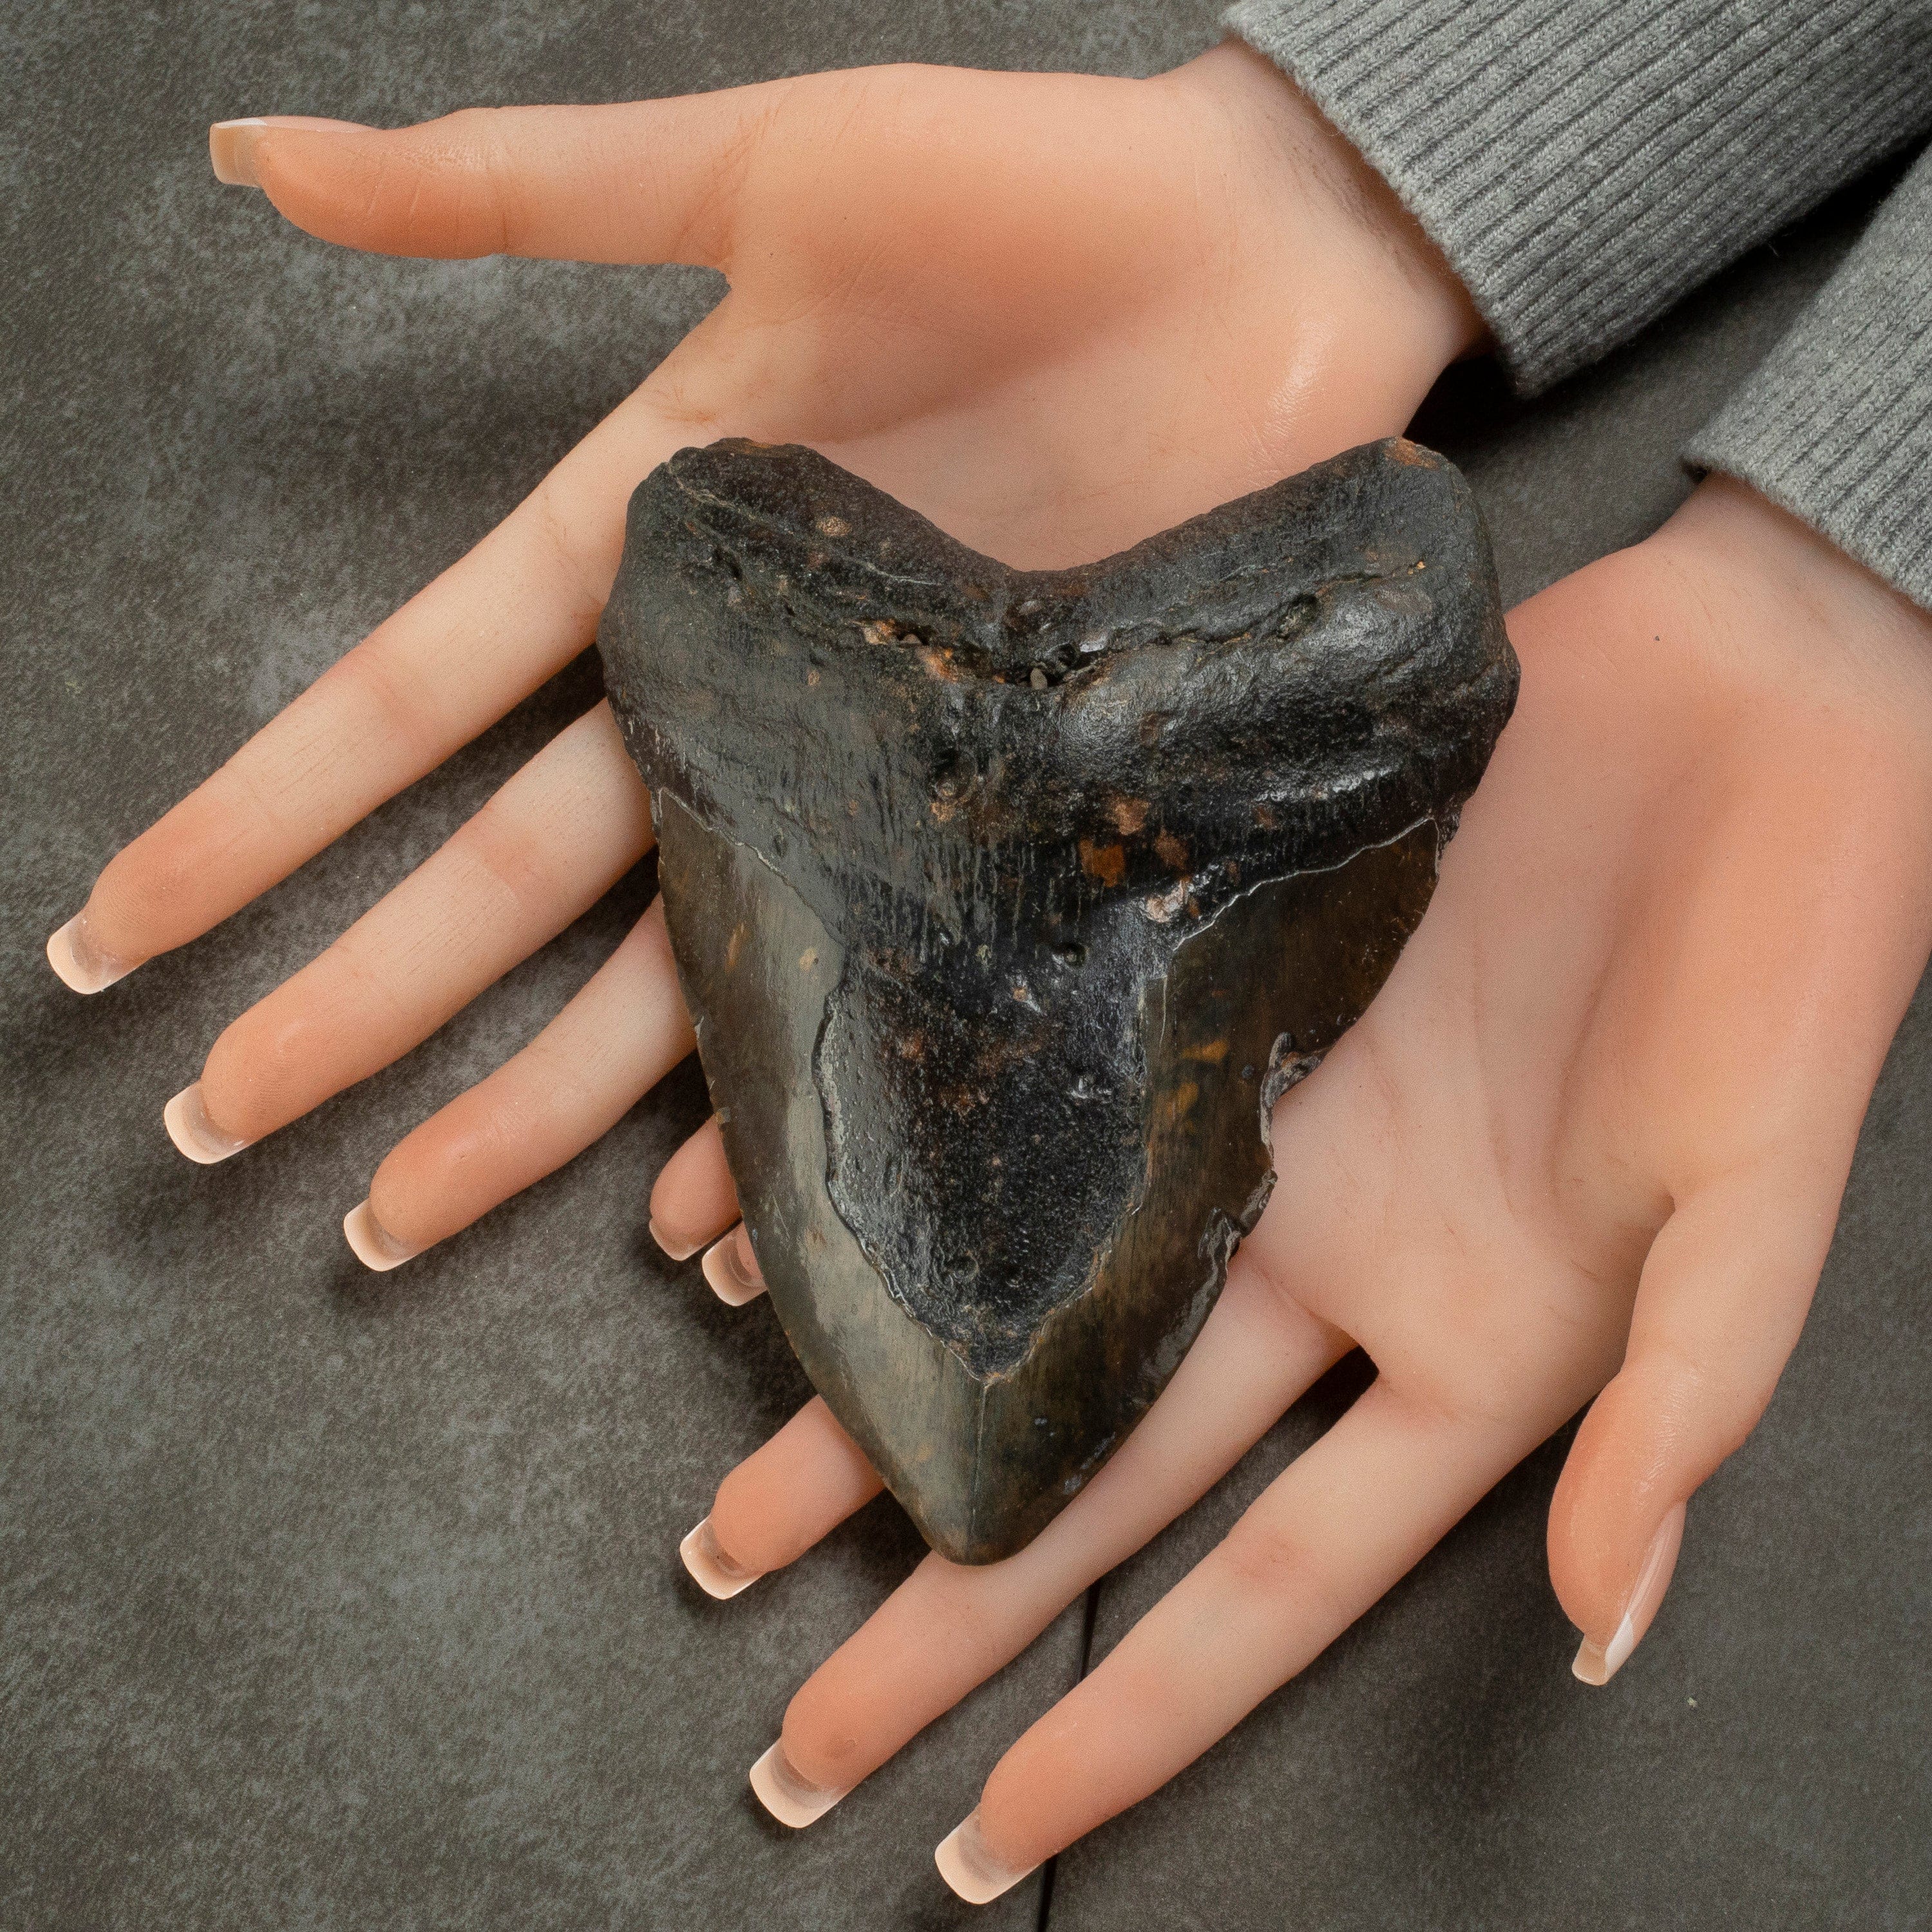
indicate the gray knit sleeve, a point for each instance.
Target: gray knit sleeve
{"x":1836,"y":423}
{"x":1582,"y":163}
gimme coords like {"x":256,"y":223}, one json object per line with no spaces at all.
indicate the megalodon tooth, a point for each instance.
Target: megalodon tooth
{"x":1008,"y":903}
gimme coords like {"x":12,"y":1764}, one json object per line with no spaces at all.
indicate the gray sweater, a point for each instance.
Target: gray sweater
{"x":1582,"y":163}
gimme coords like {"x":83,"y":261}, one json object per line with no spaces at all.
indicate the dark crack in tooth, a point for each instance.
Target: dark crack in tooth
{"x":1007,"y":903}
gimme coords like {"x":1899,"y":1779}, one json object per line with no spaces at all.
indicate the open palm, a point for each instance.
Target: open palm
{"x":1056,"y":312}
{"x":1590,"y":1136}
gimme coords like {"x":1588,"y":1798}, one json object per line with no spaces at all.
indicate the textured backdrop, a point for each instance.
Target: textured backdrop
{"x":334,"y":1600}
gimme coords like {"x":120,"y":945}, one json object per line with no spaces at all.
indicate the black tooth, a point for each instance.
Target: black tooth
{"x":995,"y":984}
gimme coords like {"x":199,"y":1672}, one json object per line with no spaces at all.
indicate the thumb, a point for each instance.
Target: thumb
{"x":1723,"y":1294}
{"x":645,"y":181}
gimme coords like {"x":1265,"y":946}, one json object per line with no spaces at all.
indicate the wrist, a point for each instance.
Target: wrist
{"x":1385,"y":271}
{"x":1773,"y":569}
{"x":1734,"y":636}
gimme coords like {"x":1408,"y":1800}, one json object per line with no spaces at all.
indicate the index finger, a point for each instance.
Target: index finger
{"x":1340,"y":1526}
{"x":478,"y":640}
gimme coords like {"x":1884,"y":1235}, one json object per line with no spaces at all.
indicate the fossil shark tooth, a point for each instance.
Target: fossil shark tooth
{"x":1007,"y":904}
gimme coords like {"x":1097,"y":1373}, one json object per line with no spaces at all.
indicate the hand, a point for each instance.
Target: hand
{"x":1055,"y":313}
{"x":1592,"y":1137}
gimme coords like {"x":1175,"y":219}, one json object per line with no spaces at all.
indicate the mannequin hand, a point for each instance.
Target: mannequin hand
{"x":1590,"y":1137}
{"x":1054,"y":313}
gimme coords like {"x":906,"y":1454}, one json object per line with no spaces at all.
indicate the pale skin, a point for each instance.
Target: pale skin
{"x":1585,"y":1150}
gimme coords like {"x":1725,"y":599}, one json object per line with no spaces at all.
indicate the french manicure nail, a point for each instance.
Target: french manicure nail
{"x":234,"y":147}
{"x":714,"y":1573}
{"x":191,"y":1129}
{"x":790,"y":1798}
{"x":81,"y":963}
{"x":1597,"y":1662}
{"x":374,"y":1247}
{"x":231,"y":147}
{"x":733,"y":1271}
{"x":969,"y":1868}
{"x":679,"y":1251}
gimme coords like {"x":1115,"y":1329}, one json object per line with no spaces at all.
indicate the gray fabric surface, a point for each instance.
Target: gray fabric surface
{"x":340,"y":1602}
{"x":1836,"y":423}
{"x":1583,"y":164}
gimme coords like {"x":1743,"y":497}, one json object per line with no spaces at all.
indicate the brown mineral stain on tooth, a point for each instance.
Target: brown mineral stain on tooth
{"x":1107,"y":863}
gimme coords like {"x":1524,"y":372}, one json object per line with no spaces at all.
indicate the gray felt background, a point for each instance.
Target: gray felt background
{"x":331,"y":1600}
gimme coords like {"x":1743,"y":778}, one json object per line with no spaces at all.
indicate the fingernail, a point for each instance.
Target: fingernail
{"x":969,"y":1868}
{"x":375,"y":1247}
{"x":231,"y":147}
{"x":679,"y":1251}
{"x":790,"y":1798}
{"x":732,"y":1269}
{"x":81,"y":963}
{"x":234,"y":146}
{"x":191,"y":1129}
{"x":716,"y":1573}
{"x":1597,"y":1662}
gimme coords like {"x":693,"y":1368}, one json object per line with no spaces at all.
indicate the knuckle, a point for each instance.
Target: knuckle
{"x":1707,"y":1404}
{"x":467,"y":146}
{"x":380,"y":684}
{"x":1273,"y":1561}
{"x":506,"y":209}
{"x":442,"y":186}
{"x":469,"y":131}
{"x":514,"y":857}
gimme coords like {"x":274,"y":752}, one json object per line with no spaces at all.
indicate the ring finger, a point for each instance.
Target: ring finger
{"x":608,"y":1047}
{"x":544,"y":849}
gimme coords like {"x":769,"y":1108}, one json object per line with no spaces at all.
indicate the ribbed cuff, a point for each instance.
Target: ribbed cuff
{"x":1583,"y":164}
{"x":1836,"y":423}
